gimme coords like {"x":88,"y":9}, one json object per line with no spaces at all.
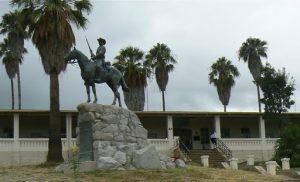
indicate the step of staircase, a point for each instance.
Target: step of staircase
{"x":214,"y":160}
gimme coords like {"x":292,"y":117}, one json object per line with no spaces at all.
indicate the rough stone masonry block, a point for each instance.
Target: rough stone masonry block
{"x":112,"y":128}
{"x":108,"y":163}
{"x":86,"y":117}
{"x":140,"y":132}
{"x":98,"y":135}
{"x":120,"y":157}
{"x":87,"y":107}
{"x":147,"y":158}
{"x":180,"y":163}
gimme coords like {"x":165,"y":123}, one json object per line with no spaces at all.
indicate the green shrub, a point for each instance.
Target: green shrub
{"x":289,"y":145}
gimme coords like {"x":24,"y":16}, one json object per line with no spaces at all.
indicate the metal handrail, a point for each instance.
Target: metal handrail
{"x":184,"y":149}
{"x":223,"y":147}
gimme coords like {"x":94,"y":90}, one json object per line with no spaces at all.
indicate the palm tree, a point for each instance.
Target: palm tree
{"x":251,"y":51}
{"x":53,"y":36}
{"x":160,"y":59}
{"x":130,"y":63}
{"x":10,"y":67}
{"x":13,"y":25}
{"x":222,"y":76}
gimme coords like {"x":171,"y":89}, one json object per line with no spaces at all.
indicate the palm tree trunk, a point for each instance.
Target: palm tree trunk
{"x":258,"y":97}
{"x":19,"y":88}
{"x":12,"y":94}
{"x":55,"y":148}
{"x":163,"y":100}
{"x":135,"y":98}
{"x":224,"y":108}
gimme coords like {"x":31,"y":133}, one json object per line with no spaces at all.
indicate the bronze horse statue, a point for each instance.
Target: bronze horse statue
{"x":112,"y":77}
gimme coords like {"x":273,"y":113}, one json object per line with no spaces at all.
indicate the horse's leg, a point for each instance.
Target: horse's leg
{"x":117,"y":94}
{"x":88,"y":92}
{"x":115,"y":87}
{"x":114,"y":101}
{"x":111,"y":86}
{"x":94,"y":92}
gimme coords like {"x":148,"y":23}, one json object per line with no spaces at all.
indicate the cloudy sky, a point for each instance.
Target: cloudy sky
{"x":197,"y":31}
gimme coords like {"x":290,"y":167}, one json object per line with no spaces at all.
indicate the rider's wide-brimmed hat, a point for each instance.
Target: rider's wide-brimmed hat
{"x":101,"y":40}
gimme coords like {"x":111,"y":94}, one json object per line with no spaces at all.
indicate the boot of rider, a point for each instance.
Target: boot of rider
{"x":97,"y":75}
{"x":105,"y":66}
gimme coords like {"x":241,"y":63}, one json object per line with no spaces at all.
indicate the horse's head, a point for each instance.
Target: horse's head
{"x":71,"y":56}
{"x":76,"y":56}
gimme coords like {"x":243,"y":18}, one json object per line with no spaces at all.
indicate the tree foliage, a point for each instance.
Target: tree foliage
{"x":277,"y":90}
{"x":49,"y":26}
{"x":8,"y":59}
{"x":13,"y":25}
{"x":130,"y":61}
{"x":251,"y":52}
{"x":289,"y":145}
{"x":222,"y":76}
{"x":160,"y":59}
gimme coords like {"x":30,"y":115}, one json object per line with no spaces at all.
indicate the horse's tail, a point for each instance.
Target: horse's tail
{"x":124,"y":85}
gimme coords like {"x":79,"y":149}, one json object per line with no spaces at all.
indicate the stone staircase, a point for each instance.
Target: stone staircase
{"x":215,"y":156}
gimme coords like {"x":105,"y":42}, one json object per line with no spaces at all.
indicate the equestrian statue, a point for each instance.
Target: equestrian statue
{"x":98,"y":71}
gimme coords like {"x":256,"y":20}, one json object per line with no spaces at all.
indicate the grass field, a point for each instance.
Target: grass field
{"x":192,"y":173}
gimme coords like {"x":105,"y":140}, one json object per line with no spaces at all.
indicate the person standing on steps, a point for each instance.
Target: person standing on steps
{"x":213,"y":138}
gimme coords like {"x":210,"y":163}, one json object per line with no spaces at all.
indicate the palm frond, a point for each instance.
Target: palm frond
{"x":49,"y":24}
{"x":222,"y":76}
{"x":160,"y":59}
{"x":130,"y":62}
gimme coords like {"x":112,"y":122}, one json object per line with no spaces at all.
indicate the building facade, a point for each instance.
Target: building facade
{"x":24,"y":133}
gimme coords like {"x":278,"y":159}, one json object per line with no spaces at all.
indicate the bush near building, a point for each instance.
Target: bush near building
{"x":289,"y":145}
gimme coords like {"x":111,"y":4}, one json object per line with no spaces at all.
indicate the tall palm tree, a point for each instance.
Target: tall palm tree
{"x":13,"y":25}
{"x":10,"y":67}
{"x":161,"y":60}
{"x":251,"y":51}
{"x":130,"y":63}
{"x":52,"y":34}
{"x":222,"y":76}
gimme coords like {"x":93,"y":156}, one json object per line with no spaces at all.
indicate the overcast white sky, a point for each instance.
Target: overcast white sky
{"x":198,"y":33}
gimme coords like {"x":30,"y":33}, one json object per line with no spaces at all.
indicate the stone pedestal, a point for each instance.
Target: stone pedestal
{"x":233,"y":163}
{"x":115,"y":139}
{"x":204,"y":160}
{"x":271,"y":167}
{"x":285,"y":163}
{"x":250,"y":160}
